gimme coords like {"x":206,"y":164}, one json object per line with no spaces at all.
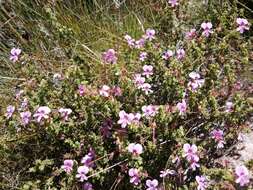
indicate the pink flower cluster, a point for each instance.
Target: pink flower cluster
{"x":173,"y":3}
{"x":138,"y":44}
{"x":180,"y":54}
{"x":182,"y":107}
{"x":242,"y":24}
{"x":87,"y":160}
{"x":167,"y":54}
{"x":191,"y":154}
{"x":40,"y":115}
{"x":25,"y":117}
{"x":83,"y":170}
{"x":167,"y":172}
{"x":15,"y":53}
{"x":128,"y":118}
{"x":242,"y":174}
{"x":143,"y":56}
{"x":9,"y":111}
{"x":134,"y":173}
{"x":191,"y":34}
{"x":81,"y":90}
{"x":202,"y":182}
{"x":65,"y":112}
{"x":229,"y":107}
{"x":207,"y":28}
{"x":152,"y":184}
{"x":68,"y":166}
{"x":135,"y":149}
{"x":149,"y":110}
{"x":217,"y":135}
{"x":109,"y":57}
{"x":140,"y":81}
{"x":195,"y":81}
{"x":134,"y":176}
{"x":106,"y":91}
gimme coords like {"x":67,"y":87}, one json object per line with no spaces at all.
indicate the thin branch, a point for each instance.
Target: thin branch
{"x":106,"y":169}
{"x":12,"y":78}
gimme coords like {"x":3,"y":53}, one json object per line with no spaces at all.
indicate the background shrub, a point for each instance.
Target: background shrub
{"x":62,"y":45}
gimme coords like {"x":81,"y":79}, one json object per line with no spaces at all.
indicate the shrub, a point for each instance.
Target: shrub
{"x":147,"y":113}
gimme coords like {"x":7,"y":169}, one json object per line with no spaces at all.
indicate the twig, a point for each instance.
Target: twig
{"x":6,"y":22}
{"x":245,"y":6}
{"x":13,"y":78}
{"x":106,"y":169}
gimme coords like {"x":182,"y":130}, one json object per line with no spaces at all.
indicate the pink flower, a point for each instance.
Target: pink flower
{"x":229,"y":107}
{"x":19,"y":94}
{"x":194,"y":85}
{"x":67,"y":165}
{"x":87,"y":186}
{"x":167,"y":54}
{"x":190,"y":151}
{"x":217,"y":135}
{"x":81,"y":173}
{"x":65,"y":112}
{"x":116,"y":91}
{"x":147,"y":70}
{"x":81,"y":89}
{"x":42,"y":113}
{"x":194,"y":76}
{"x":167,"y":172}
{"x":194,"y":163}
{"x":150,"y":34}
{"x":182,"y":107}
{"x":146,"y":87}
{"x":243,"y":25}
{"x":125,"y":118}
{"x":135,"y":149}
{"x":25,"y":117}
{"x":195,"y":82}
{"x":24,"y":104}
{"x":139,"y":80}
{"x":137,"y":118}
{"x":87,"y":160}
{"x":152,"y":184}
{"x":105,"y":91}
{"x":149,"y":111}
{"x":109,"y":57}
{"x":15,"y":52}
{"x":130,"y":41}
{"x":143,"y":56}
{"x":9,"y":111}
{"x":191,"y":34}
{"x":202,"y":182}
{"x":207,"y":27}
{"x":242,"y":175}
{"x":173,"y":3}
{"x":135,"y":176}
{"x":180,"y":54}
{"x":140,"y":43}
